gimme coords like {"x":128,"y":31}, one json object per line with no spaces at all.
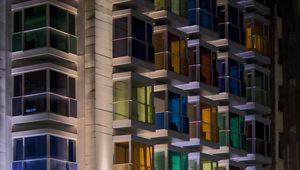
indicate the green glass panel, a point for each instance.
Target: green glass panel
{"x":139,"y":98}
{"x":159,"y":160}
{"x":222,"y":138}
{"x":175,"y":6}
{"x":18,"y":21}
{"x":159,"y":4}
{"x":259,"y":79}
{"x":174,"y":160}
{"x":184,"y":162}
{"x":234,"y":130}
{"x":192,"y":165}
{"x":150,"y":112}
{"x":72,"y":24}
{"x":73,"y":44}
{"x":17,"y":42}
{"x":221,"y":121}
{"x":121,"y":103}
{"x":35,"y":17}
{"x":58,"y":18}
{"x":35,"y":39}
{"x":59,"y":40}
{"x":215,"y":167}
{"x":206,"y":165}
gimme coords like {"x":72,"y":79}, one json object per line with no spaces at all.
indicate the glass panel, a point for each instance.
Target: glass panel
{"x":206,"y":165}
{"x":121,"y":96}
{"x":18,"y":21}
{"x":259,"y":130}
{"x":149,"y":33}
{"x":159,"y":160}
{"x":120,"y":27}
{"x":138,"y":49}
{"x":259,"y":79}
{"x":58,"y":148}
{"x":233,"y":33}
{"x":192,"y":17}
{"x":138,"y":29}
{"x":233,"y":69}
{"x":59,"y":40}
{"x":17,"y":40}
{"x":18,"y":85}
{"x":73,"y":45}
{"x":192,"y":165}
{"x":160,"y":120}
{"x":58,"y":83}
{"x":174,"y":160}
{"x":233,"y":15}
{"x":35,"y":104}
{"x":174,"y":103}
{"x":205,"y":4}
{"x":35,"y":82}
{"x":59,"y":105}
{"x":234,"y":130}
{"x":35,"y":39}
{"x":175,"y":52}
{"x":258,"y":36}
{"x":215,"y":130}
{"x":159,"y":4}
{"x":35,"y":147}
{"x":159,"y":41}
{"x":184,"y":60}
{"x":139,"y":95}
{"x":121,"y":154}
{"x":72,"y":87}
{"x":18,"y":149}
{"x":72,"y":150}
{"x":73,"y":108}
{"x":37,"y":164}
{"x":72,"y":26}
{"x":73,"y":166}
{"x":175,"y":6}
{"x":184,"y":162}
{"x":57,"y":165}
{"x":35,"y":17}
{"x":205,"y":62}
{"x":221,"y":14}
{"x":120,"y":48}
{"x":248,"y":33}
{"x":206,"y":121}
{"x":17,"y":166}
{"x":58,"y":18}
{"x":205,"y":19}
{"x":17,"y":106}
{"x":150,"y":110}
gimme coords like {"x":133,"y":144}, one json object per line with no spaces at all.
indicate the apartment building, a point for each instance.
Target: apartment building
{"x":135,"y":85}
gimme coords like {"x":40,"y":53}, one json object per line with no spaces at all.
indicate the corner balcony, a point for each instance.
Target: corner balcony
{"x":132,"y":41}
{"x":133,"y":102}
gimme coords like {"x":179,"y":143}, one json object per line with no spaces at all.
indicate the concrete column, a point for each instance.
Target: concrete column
{"x":98,"y":85}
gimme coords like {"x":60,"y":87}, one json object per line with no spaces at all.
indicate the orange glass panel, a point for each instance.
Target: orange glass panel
{"x":121,"y":154}
{"x":174,"y":49}
{"x":205,"y":65}
{"x":206,"y":121}
{"x":248,"y":34}
{"x":184,"y":63}
{"x":215,"y":129}
{"x":258,"y":37}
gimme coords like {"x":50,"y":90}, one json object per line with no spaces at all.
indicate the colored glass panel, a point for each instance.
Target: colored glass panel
{"x":35,"y":17}
{"x":159,"y":160}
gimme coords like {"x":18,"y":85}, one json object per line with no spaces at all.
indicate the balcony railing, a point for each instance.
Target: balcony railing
{"x":130,"y":166}
{"x":163,"y":60}
{"x":258,"y":146}
{"x":233,"y":139}
{"x":171,"y":121}
{"x":203,"y":74}
{"x":258,"y":95}
{"x":232,"y":85}
{"x":134,"y":110}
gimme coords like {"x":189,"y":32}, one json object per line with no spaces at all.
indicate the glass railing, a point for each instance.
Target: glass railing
{"x":129,"y":109}
{"x":203,"y":74}
{"x":129,"y":46}
{"x":43,"y":37}
{"x":163,"y":60}
{"x":130,"y":166}
{"x":232,"y":139}
{"x":232,"y":85}
{"x":258,"y":95}
{"x":42,"y":164}
{"x":44,"y":102}
{"x":175,"y":122}
{"x":258,"y":146}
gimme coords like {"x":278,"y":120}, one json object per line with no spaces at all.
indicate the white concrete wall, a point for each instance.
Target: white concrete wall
{"x":98,"y":85}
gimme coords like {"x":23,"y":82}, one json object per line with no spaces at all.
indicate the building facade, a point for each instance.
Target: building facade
{"x":136,"y":85}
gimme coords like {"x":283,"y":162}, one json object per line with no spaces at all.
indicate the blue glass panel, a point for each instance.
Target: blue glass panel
{"x":192,"y":17}
{"x":174,"y":103}
{"x":72,"y":166}
{"x":185,"y":125}
{"x":138,"y":28}
{"x":72,"y":150}
{"x":221,"y":67}
{"x":35,"y":165}
{"x":159,"y":120}
{"x":222,"y":84}
{"x":58,"y":148}
{"x":184,"y":106}
{"x":58,"y":165}
{"x":18,"y":145}
{"x":241,"y":72}
{"x":174,"y":122}
{"x":191,"y":4}
{"x":234,"y":86}
{"x":205,"y":4}
{"x":36,"y":147}
{"x":17,"y":166}
{"x":233,"y":69}
{"x":205,"y":19}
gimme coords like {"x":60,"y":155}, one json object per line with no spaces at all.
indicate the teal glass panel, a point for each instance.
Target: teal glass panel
{"x":35,"y":39}
{"x":184,"y":162}
{"x":35,"y":17}
{"x":221,"y":121}
{"x":59,"y":40}
{"x":174,"y":160}
{"x":72,"y":23}
{"x":159,"y":160}
{"x":18,"y":23}
{"x":73,"y":44}
{"x":58,"y":18}
{"x":223,"y":138}
{"x":234,"y":130}
{"x":17,"y":42}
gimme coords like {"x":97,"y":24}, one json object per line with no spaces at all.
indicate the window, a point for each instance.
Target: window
{"x":35,"y":104}
{"x":18,"y":24}
{"x":58,"y":18}
{"x":59,"y":105}
{"x":233,"y":15}
{"x":58,"y":148}
{"x":36,"y":147}
{"x":35,"y":17}
{"x":177,"y":161}
{"x":18,"y":85}
{"x":18,"y":149}
{"x":58,"y":83}
{"x":59,"y":40}
{"x":35,"y":39}
{"x":121,"y":155}
{"x":236,"y":127}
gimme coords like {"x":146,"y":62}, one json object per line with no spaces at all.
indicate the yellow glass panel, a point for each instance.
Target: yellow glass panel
{"x":121,"y":103}
{"x":206,"y":165}
{"x":248,"y":34}
{"x":206,"y":121}
{"x":159,"y":42}
{"x":159,"y":4}
{"x":184,"y":66}
{"x":149,"y":104}
{"x":121,"y":154}
{"x":149,"y":156}
{"x":206,"y":131}
{"x":215,"y":130}
{"x":206,"y":117}
{"x":258,"y":37}
{"x":174,"y":48}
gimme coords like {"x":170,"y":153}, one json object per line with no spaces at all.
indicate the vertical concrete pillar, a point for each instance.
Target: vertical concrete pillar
{"x":98,"y":85}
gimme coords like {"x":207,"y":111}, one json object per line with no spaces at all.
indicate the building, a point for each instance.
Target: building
{"x":137,"y":84}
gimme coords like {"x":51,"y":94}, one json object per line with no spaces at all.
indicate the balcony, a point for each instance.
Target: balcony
{"x":170,"y":121}
{"x":141,"y":5}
